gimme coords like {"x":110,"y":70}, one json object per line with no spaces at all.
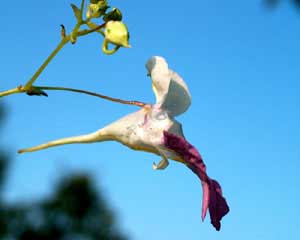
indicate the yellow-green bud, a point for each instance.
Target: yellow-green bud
{"x":97,"y":9}
{"x":95,"y":1}
{"x":116,"y":32}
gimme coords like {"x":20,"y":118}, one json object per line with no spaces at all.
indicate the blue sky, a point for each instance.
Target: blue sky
{"x":241,"y":63}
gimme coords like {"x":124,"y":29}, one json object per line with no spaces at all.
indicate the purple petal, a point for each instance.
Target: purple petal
{"x":212,"y":192}
{"x":218,"y":207}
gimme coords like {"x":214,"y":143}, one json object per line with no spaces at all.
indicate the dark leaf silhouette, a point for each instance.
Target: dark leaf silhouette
{"x":275,"y":3}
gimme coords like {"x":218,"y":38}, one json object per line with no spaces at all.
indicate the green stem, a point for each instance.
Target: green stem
{"x":62,"y":43}
{"x":74,"y":33}
{"x":11,"y":91}
{"x":82,"y":7}
{"x":95,"y":27}
{"x":136,"y":103}
{"x":91,"y":30}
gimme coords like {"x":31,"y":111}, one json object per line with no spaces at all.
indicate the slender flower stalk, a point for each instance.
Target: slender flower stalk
{"x":135,"y":103}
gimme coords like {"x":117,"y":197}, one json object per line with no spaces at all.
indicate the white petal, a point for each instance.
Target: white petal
{"x":171,"y":92}
{"x":159,"y":73}
{"x":178,"y":98}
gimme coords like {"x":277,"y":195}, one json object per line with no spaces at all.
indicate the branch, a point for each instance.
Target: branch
{"x":12,"y":91}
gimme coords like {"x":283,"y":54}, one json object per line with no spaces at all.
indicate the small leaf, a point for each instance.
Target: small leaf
{"x":33,"y":91}
{"x":77,"y":12}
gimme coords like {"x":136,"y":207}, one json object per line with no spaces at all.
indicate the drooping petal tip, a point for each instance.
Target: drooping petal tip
{"x":213,"y":199}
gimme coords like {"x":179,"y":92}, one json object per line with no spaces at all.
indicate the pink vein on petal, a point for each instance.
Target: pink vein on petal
{"x":205,"y":199}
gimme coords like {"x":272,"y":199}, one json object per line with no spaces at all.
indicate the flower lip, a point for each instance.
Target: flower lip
{"x":213,"y":199}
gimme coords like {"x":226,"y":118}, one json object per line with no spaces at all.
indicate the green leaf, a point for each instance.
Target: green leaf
{"x":77,"y":12}
{"x":33,"y":91}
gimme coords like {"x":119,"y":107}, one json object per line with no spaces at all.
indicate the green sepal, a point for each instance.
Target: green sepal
{"x":73,"y":38}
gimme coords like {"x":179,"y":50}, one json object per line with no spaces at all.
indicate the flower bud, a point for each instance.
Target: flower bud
{"x":116,"y":32}
{"x":97,"y":9}
{"x":114,"y":15}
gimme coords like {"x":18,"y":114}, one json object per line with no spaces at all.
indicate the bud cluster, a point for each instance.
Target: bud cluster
{"x":115,"y":31}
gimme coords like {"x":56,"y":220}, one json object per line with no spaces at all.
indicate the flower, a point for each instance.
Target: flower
{"x":154,"y":129}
